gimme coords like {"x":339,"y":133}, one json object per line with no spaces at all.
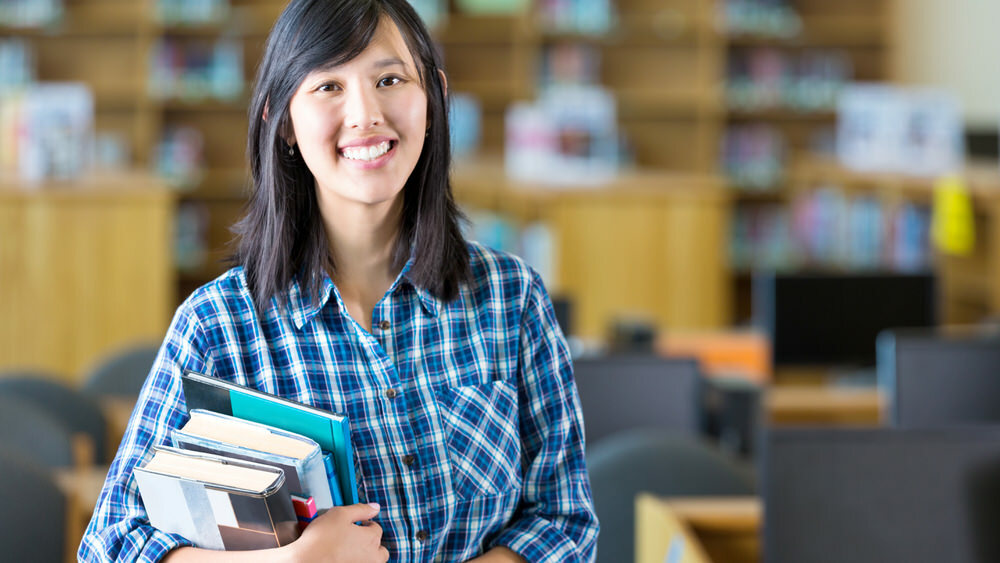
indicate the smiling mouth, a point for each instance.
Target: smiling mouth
{"x":369,"y":153}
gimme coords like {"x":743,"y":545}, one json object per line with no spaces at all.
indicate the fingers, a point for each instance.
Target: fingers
{"x":383,"y":554}
{"x":359,"y":512}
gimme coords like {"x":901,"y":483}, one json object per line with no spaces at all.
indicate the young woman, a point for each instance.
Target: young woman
{"x":355,"y":292}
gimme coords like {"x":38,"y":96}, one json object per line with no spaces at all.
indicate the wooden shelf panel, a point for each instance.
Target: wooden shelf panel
{"x":780,"y":114}
{"x":202,"y":105}
{"x":482,"y":30}
{"x":652,"y":102}
{"x":826,"y":31}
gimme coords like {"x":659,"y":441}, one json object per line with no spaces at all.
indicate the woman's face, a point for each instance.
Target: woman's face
{"x":360,"y":126}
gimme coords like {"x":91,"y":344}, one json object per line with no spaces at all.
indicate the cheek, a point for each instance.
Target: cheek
{"x":309,"y":125}
{"x":415,"y":114}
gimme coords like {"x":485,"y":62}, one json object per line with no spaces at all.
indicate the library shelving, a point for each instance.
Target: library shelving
{"x":677,"y":69}
{"x":86,"y":269}
{"x":969,"y":288}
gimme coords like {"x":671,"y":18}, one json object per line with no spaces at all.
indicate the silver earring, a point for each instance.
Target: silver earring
{"x":291,"y":150}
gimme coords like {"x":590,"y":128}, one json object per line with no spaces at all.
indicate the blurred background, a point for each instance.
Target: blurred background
{"x":751,"y":215}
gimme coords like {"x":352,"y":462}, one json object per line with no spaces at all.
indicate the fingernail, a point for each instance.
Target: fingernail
{"x":374,"y":505}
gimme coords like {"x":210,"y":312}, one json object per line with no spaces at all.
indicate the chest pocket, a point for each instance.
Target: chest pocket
{"x":481,"y":431}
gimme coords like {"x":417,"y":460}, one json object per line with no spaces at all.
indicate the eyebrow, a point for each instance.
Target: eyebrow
{"x":379,"y":64}
{"x":392,"y":61}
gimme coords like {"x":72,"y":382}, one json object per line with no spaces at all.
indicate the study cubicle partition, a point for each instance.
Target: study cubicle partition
{"x":940,"y":378}
{"x":623,"y":392}
{"x":882,"y":494}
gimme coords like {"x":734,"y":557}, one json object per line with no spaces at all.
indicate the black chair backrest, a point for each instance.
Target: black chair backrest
{"x":33,"y":512}
{"x":622,"y":392}
{"x":658,"y":462}
{"x":122,"y":373}
{"x":77,"y":411}
{"x":32,"y":432}
{"x":934,"y":378}
{"x":882,"y":494}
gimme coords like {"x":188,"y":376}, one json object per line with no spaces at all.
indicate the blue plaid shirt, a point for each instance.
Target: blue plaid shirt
{"x":464,"y":416}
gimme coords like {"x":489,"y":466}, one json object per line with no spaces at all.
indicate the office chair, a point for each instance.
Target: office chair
{"x":33,"y":512}
{"x":34,"y":433}
{"x":77,"y":411}
{"x":621,"y":392}
{"x":651,"y":460}
{"x":122,"y":373}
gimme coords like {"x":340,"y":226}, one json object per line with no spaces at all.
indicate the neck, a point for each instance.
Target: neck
{"x":362,"y":240}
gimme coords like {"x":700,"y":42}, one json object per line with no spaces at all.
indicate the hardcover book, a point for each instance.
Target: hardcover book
{"x":217,"y":502}
{"x":330,"y":430}
{"x":298,"y":456}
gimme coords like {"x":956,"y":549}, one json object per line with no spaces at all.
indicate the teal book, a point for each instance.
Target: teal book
{"x":330,"y":430}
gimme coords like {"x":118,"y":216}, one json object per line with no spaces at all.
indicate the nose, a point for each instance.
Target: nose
{"x":362,"y":108}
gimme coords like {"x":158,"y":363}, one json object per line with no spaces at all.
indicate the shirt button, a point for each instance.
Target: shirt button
{"x":422,"y":536}
{"x":384,"y":325}
{"x":391,"y":393}
{"x":408,"y":460}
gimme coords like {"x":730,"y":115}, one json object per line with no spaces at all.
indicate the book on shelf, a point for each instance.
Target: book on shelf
{"x":217,"y":502}
{"x":327,"y":429}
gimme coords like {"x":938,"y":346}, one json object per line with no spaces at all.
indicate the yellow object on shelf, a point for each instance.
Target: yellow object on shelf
{"x":953,"y":228}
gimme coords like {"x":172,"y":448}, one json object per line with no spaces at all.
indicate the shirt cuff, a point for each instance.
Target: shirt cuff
{"x":538,"y":540}
{"x":134,"y":547}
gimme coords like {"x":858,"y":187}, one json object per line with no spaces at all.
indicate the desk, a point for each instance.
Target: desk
{"x":824,"y":405}
{"x":82,"y":487}
{"x":117,"y":411}
{"x":727,"y":529}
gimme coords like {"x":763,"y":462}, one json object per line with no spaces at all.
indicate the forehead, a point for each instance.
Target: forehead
{"x":387,"y":44}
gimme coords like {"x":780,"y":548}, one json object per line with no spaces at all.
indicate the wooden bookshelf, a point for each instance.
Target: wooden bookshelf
{"x":646,"y":244}
{"x":86,"y":267}
{"x":665,"y":60}
{"x":970,"y":284}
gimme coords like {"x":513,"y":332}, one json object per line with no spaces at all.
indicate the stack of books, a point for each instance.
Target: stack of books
{"x":248,"y":470}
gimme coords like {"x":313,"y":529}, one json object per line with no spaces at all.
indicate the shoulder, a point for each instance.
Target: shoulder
{"x":226,"y":297}
{"x":491,"y":267}
{"x":498,"y":275}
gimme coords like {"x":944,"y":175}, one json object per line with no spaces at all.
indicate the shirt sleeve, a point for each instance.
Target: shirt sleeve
{"x":556,"y":520}
{"x":119,"y":529}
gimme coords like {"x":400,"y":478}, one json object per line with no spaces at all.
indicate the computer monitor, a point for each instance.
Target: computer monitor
{"x":831,"y":320}
{"x":940,"y":378}
{"x":622,"y":392}
{"x":881,"y":494}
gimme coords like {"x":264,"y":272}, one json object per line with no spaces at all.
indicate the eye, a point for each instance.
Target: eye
{"x":389,"y":81}
{"x":328,"y":87}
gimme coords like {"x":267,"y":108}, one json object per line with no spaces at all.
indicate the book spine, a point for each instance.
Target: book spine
{"x":331,"y":475}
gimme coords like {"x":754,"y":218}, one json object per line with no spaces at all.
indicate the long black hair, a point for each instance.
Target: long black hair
{"x":281,"y":236}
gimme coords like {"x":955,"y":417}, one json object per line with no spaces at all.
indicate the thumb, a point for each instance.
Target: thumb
{"x":360,"y":512}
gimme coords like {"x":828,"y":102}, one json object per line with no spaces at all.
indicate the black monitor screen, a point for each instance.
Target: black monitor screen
{"x":833,"y":319}
{"x":940,"y":379}
{"x":880,"y":495}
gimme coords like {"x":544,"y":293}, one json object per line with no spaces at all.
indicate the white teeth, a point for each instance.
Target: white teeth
{"x":366,"y":153}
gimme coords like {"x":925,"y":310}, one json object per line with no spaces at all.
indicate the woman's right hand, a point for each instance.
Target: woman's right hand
{"x":334,"y":537}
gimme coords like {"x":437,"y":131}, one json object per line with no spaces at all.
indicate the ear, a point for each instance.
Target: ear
{"x":444,"y":82}
{"x":288,"y":137}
